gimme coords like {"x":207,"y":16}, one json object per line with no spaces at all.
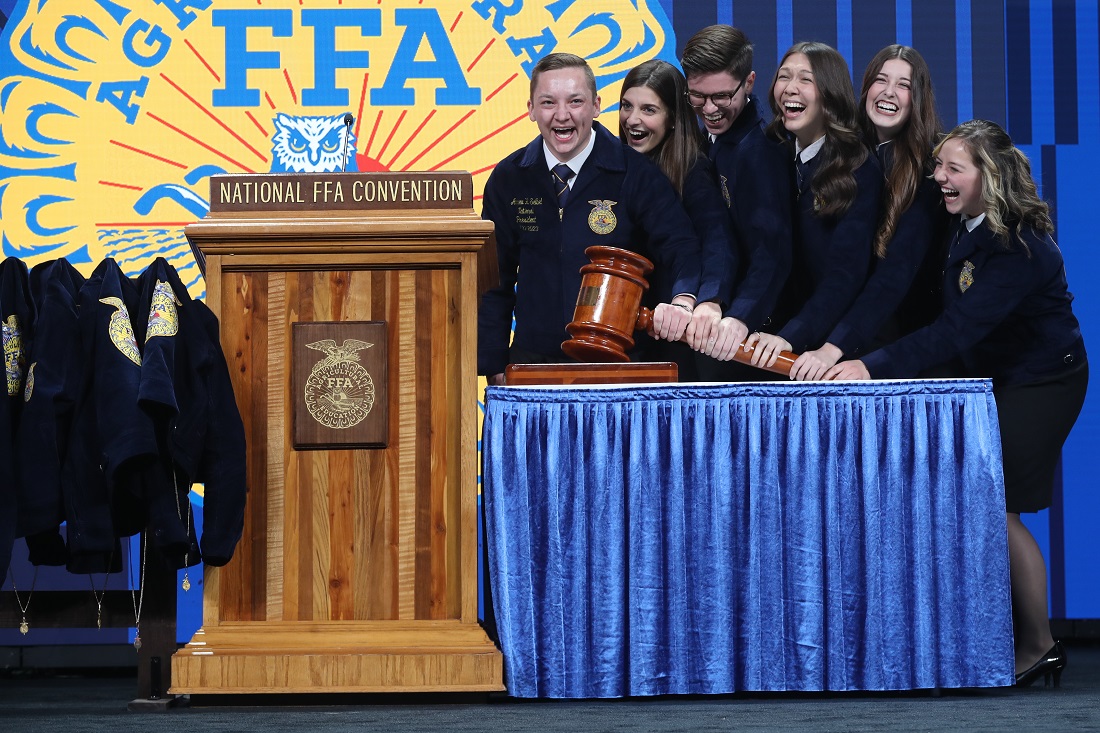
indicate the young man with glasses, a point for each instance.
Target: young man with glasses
{"x":754,"y":172}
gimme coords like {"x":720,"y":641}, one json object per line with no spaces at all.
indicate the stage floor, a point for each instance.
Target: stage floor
{"x":49,"y":701}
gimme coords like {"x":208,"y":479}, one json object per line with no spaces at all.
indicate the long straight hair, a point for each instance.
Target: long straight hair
{"x":678,"y":151}
{"x":914,"y":142}
{"x":1009,"y":193}
{"x":834,"y":183}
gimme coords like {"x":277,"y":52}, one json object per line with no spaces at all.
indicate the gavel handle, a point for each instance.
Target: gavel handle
{"x":742,"y":353}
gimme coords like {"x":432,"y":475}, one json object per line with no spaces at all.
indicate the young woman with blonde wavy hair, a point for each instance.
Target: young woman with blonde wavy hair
{"x":1007,"y":317}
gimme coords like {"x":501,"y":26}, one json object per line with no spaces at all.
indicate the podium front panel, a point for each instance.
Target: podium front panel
{"x":357,"y":569}
{"x":320,"y":504}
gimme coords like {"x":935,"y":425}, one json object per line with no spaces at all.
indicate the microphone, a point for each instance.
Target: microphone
{"x":348,"y":119}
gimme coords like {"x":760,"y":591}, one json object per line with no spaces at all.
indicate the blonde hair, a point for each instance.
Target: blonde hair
{"x":1009,"y":193}
{"x":557,"y":61}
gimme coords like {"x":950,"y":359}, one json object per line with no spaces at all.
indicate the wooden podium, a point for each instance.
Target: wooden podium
{"x":357,"y":571}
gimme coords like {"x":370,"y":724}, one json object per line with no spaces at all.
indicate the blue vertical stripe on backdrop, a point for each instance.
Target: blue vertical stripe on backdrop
{"x":873,"y":28}
{"x":1047,"y":175}
{"x":1064,"y":28}
{"x":988,"y":61}
{"x":844,"y":36}
{"x":1055,"y":550}
{"x":934,"y":37}
{"x":1076,"y":230}
{"x":1042,"y":72}
{"x":724,"y":12}
{"x":964,"y":94}
{"x":814,"y":20}
{"x":904,"y":17}
{"x":1018,"y":62}
{"x":784,"y":28}
{"x":1088,"y":57}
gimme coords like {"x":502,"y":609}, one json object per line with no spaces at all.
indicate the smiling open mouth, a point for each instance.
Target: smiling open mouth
{"x":949,"y":194}
{"x":886,"y":107}
{"x":794,"y":108}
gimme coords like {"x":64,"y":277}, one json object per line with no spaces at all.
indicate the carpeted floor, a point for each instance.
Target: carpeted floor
{"x":98,"y":702}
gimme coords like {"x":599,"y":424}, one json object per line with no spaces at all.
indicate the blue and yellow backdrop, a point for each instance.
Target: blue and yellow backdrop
{"x":114,"y":113}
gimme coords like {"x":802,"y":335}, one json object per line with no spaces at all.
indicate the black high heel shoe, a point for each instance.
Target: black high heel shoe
{"x":1049,"y":666}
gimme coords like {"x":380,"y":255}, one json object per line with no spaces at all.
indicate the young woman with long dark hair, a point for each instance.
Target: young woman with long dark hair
{"x":656,"y":119}
{"x":838,"y":189}
{"x":898,"y":120}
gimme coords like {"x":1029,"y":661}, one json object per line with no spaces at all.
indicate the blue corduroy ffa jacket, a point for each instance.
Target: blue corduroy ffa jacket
{"x":618,"y":199}
{"x":1006,"y":314}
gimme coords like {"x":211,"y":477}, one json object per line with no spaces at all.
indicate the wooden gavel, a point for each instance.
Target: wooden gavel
{"x":609,"y":310}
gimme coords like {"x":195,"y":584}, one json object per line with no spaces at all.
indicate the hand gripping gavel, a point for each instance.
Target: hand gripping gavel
{"x":609,"y":310}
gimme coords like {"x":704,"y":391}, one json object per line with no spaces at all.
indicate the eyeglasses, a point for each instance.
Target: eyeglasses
{"x":720,"y":99}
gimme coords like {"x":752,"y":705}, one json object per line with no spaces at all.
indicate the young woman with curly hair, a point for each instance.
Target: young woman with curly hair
{"x":1007,"y":317}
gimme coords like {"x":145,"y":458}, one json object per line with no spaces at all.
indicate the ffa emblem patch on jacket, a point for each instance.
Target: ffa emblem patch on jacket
{"x":602,"y":219}
{"x":163,"y":317}
{"x":13,"y":354}
{"x":966,"y":276}
{"x":120,"y":331}
{"x":725,"y":192}
{"x":28,"y":389}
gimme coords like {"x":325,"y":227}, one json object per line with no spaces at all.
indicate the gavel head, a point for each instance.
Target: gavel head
{"x":606,"y":316}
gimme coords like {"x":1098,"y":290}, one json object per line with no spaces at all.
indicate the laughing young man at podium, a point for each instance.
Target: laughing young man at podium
{"x":574,"y":186}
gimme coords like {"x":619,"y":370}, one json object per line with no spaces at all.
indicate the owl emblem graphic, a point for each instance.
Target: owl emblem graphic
{"x":312,"y":144}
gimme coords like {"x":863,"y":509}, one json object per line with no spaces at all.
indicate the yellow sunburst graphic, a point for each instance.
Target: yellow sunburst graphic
{"x":116,"y":113}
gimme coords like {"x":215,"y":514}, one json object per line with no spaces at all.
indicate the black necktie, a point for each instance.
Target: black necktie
{"x":562,"y":173}
{"x":960,"y":232}
{"x":802,"y":170}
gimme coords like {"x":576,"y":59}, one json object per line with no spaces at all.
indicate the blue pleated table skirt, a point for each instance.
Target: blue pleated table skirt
{"x":684,"y":539}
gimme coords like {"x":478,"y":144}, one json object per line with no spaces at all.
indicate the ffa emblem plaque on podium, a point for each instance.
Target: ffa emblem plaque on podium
{"x":339,"y":385}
